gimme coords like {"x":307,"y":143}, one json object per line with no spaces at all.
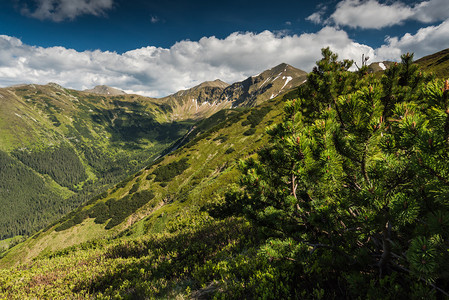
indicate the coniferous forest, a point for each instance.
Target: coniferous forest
{"x":345,"y":195}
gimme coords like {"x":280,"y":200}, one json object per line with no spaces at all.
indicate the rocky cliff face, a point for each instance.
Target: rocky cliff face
{"x":209,"y":97}
{"x":267,"y":85}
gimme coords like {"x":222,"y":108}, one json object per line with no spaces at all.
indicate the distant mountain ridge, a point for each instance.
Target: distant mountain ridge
{"x":105,"y":90}
{"x":379,"y":66}
{"x":264,"y":86}
{"x":48,"y":131}
{"x":207,"y":98}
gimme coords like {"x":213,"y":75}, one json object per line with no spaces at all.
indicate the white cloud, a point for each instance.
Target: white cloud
{"x":154,"y":19}
{"x":316,"y":17}
{"x":432,"y":11}
{"x":370,"y":14}
{"x":426,"y":41}
{"x":158,"y":72}
{"x":60,"y":10}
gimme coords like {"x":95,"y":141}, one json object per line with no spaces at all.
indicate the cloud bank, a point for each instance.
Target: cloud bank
{"x":426,"y":41}
{"x":61,"y":10}
{"x":371,"y":14}
{"x":157,"y":72}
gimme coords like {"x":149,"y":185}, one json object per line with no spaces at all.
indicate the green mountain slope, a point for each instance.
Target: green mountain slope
{"x":76,"y":144}
{"x":178,"y":184}
{"x":335,"y":198}
{"x":72,"y":145}
{"x":437,"y":63}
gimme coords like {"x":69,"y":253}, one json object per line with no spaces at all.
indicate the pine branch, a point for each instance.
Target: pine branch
{"x":363,"y":166}
{"x":340,"y":118}
{"x":401,"y":268}
{"x":386,"y":248}
{"x":433,"y":172}
{"x":446,"y":127}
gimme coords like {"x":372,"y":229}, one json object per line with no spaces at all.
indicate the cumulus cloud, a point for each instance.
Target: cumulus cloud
{"x":317,"y":17}
{"x":155,"y":19}
{"x":370,"y":14}
{"x":60,"y":10}
{"x":155,"y":71}
{"x":431,"y":11}
{"x":426,"y":41}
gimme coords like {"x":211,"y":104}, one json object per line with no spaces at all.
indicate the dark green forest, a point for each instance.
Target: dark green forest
{"x":21,"y":183}
{"x":80,"y":161}
{"x":61,"y":163}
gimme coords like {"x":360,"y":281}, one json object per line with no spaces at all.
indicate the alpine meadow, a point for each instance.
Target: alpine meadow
{"x":287,"y":185}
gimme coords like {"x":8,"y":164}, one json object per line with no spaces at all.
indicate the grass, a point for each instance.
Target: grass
{"x":212,"y":170}
{"x":437,"y":63}
{"x":39,"y":119}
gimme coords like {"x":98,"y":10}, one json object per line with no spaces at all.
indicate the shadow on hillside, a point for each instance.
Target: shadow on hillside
{"x":125,"y":126}
{"x":160,"y":265}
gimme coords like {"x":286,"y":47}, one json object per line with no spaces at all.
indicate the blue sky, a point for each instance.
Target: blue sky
{"x":159,"y":47}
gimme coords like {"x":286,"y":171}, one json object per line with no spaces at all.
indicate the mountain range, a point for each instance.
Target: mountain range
{"x":129,"y":173}
{"x":65,"y":146}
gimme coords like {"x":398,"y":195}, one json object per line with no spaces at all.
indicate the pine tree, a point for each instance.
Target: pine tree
{"x":354,"y":186}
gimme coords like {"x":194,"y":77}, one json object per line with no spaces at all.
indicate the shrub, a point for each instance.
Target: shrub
{"x":171,"y":170}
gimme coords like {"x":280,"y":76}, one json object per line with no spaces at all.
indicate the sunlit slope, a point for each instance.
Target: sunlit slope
{"x":61,"y":147}
{"x":437,"y":63}
{"x":177,"y":185}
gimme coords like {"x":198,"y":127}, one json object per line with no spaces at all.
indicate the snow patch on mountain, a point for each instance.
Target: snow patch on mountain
{"x":279,"y":75}
{"x":287,"y":80}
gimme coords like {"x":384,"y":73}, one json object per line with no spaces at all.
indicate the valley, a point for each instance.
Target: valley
{"x":194,"y":195}
{"x":61,"y":147}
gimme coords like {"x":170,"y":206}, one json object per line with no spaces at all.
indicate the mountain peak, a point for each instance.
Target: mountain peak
{"x":379,"y":66}
{"x":264,"y":86}
{"x":281,"y":65}
{"x":55,"y":85}
{"x":105,"y":90}
{"x":216,"y":83}
{"x":284,"y":68}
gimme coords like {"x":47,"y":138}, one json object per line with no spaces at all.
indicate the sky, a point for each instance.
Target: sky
{"x":158,"y":47}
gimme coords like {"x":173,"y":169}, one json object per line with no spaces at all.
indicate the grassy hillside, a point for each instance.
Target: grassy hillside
{"x":175,"y":185}
{"x":330,"y":205}
{"x":161,"y":209}
{"x":61,"y":147}
{"x":437,"y":63}
{"x":74,"y":145}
